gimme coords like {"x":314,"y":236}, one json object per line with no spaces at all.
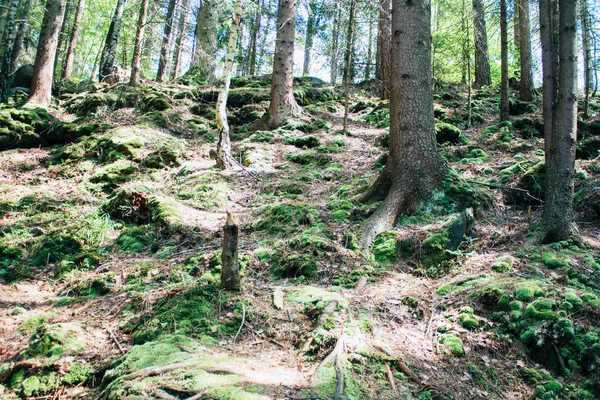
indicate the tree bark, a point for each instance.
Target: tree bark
{"x":224,"y":157}
{"x":136,"y":61}
{"x":526,"y":90}
{"x":70,"y":57}
{"x":43,"y":69}
{"x":254,"y":34}
{"x":204,"y":62}
{"x":384,"y":47}
{"x":516,"y":28}
{"x":414,"y":167}
{"x":109,"y":51}
{"x":588,"y":77}
{"x":310,"y":33}
{"x":163,"y":61}
{"x":230,"y":270}
{"x":7,"y":56}
{"x":483,"y":76}
{"x":60,"y":51}
{"x":559,"y":219}
{"x":20,"y":36}
{"x":183,"y":14}
{"x":283,"y":104}
{"x":349,"y":63}
{"x":504,"y":108}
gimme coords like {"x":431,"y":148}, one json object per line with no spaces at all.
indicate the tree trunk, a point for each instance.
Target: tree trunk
{"x":335,"y":33}
{"x":204,"y":62}
{"x":70,"y":57}
{"x":310,"y":32}
{"x":224,"y":157}
{"x":414,"y":167}
{"x":384,"y":47}
{"x":483,"y":76}
{"x":43,"y":69}
{"x":60,"y":51}
{"x":136,"y":61}
{"x":588,"y":77}
{"x":183,"y":14}
{"x":516,"y":28}
{"x":549,"y":69}
{"x":369,"y":49}
{"x":526,"y":91}
{"x":163,"y":61}
{"x":109,"y":51}
{"x":20,"y":36}
{"x":230,"y":269}
{"x":7,"y":56}
{"x":559,"y":219}
{"x":349,"y":54}
{"x":504,"y":108}
{"x":254,"y":34}
{"x":283,"y":104}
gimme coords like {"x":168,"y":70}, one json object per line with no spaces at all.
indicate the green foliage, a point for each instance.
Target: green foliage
{"x":55,"y":249}
{"x":385,"y":247}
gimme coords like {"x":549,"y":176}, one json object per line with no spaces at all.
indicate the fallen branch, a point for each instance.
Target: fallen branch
{"x":153,"y":371}
{"x":390,"y":377}
{"x":401,"y":365}
{"x":506,"y":188}
{"x":114,"y":339}
{"x":242,"y":324}
{"x":28,"y":364}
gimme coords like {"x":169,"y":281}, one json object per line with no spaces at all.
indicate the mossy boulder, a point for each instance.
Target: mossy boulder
{"x":453,"y":344}
{"x":315,"y":297}
{"x":24,"y":128}
{"x":503,"y":263}
{"x":385,"y":247}
{"x":528,"y":290}
{"x":114,"y":174}
{"x":155,"y":101}
{"x":50,"y":378}
{"x":448,"y":134}
{"x":246,"y":115}
{"x":56,"y":340}
{"x":99,"y":103}
{"x":588,"y":149}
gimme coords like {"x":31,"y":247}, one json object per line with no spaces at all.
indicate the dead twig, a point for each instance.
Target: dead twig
{"x":242,"y":324}
{"x":390,"y":376}
{"x":114,"y":339}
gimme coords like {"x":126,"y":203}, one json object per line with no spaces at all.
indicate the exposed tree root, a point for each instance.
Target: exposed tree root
{"x":378,"y":190}
{"x":382,"y":220}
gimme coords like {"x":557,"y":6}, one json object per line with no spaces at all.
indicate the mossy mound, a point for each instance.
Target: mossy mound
{"x":453,"y":344}
{"x":519,"y":107}
{"x":257,"y":156}
{"x":246,"y":115}
{"x":112,"y":175}
{"x":503,"y":263}
{"x":385,"y":247}
{"x":315,"y":297}
{"x":309,"y":158}
{"x":55,"y":341}
{"x":448,"y":134}
{"x":55,"y":249}
{"x":195,"y":313}
{"x":284,"y":218}
{"x":24,"y":128}
{"x":529,"y":127}
{"x":98,"y":104}
{"x":588,"y":149}
{"x":533,"y":183}
{"x":202,"y":191}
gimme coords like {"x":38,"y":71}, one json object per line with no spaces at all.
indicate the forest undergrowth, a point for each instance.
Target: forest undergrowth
{"x":111,"y":216}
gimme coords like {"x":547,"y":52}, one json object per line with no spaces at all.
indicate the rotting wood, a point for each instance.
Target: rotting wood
{"x":230,"y":271}
{"x":391,"y":379}
{"x":278,"y":298}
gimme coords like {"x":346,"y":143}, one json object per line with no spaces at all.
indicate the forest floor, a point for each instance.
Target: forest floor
{"x":111,"y":219}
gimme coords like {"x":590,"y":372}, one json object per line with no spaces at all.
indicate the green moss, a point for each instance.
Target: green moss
{"x":135,"y":239}
{"x":309,"y":158}
{"x":551,"y":261}
{"x":113,"y":174}
{"x":541,"y":310}
{"x":467,"y":321}
{"x":572,"y":298}
{"x":526,"y":291}
{"x":503,"y":264}
{"x":55,"y":249}
{"x":590,"y":299}
{"x":453,"y":343}
{"x":54,"y":341}
{"x":448,"y":133}
{"x":385,"y":247}
{"x":311,"y":296}
{"x":283,"y":218}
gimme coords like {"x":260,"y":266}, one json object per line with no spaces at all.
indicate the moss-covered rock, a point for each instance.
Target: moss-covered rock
{"x":448,"y":134}
{"x":453,"y":344}
{"x":588,"y":149}
{"x":503,"y":263}
{"x":385,"y":247}
{"x":55,"y":249}
{"x":114,"y":174}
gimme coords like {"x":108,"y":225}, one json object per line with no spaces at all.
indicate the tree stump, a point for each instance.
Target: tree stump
{"x":230,"y":271}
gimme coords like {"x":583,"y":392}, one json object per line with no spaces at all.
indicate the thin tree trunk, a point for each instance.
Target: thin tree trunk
{"x":384,"y":47}
{"x":20,"y":36}
{"x":369,"y":49}
{"x":559,"y":218}
{"x":254,"y":33}
{"x":469,"y":78}
{"x":70,"y":57}
{"x":549,"y":69}
{"x":414,"y":168}
{"x":504,"y":108}
{"x":60,"y":50}
{"x":183,"y":14}
{"x":136,"y":61}
{"x":43,"y":69}
{"x":335,"y":32}
{"x":310,"y":32}
{"x":109,"y":51}
{"x":516,"y":29}
{"x":349,"y":53}
{"x":588,"y":77}
{"x":526,"y":91}
{"x":483,"y":75}
{"x":7,"y":56}
{"x":163,"y":62}
{"x":224,"y":157}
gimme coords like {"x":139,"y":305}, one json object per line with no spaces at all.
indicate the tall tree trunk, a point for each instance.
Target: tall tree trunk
{"x":254,"y":34}
{"x":283,"y":104}
{"x":224,"y":157}
{"x":20,"y":36}
{"x":335,"y":33}
{"x":7,"y":56}
{"x":526,"y":91}
{"x":163,"y":61}
{"x":204,"y":62}
{"x":136,"y":60}
{"x":516,"y":29}
{"x":310,"y":33}
{"x":62,"y":36}
{"x":349,"y":63}
{"x":150,"y":33}
{"x":43,"y":69}
{"x":588,"y":77}
{"x":549,"y":69}
{"x":559,"y":219}
{"x":70,"y":57}
{"x":504,"y":108}
{"x":369,"y":49}
{"x":230,"y":272}
{"x":183,"y":14}
{"x":483,"y":76}
{"x":109,"y":51}
{"x":414,"y":168}
{"x":384,"y":47}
